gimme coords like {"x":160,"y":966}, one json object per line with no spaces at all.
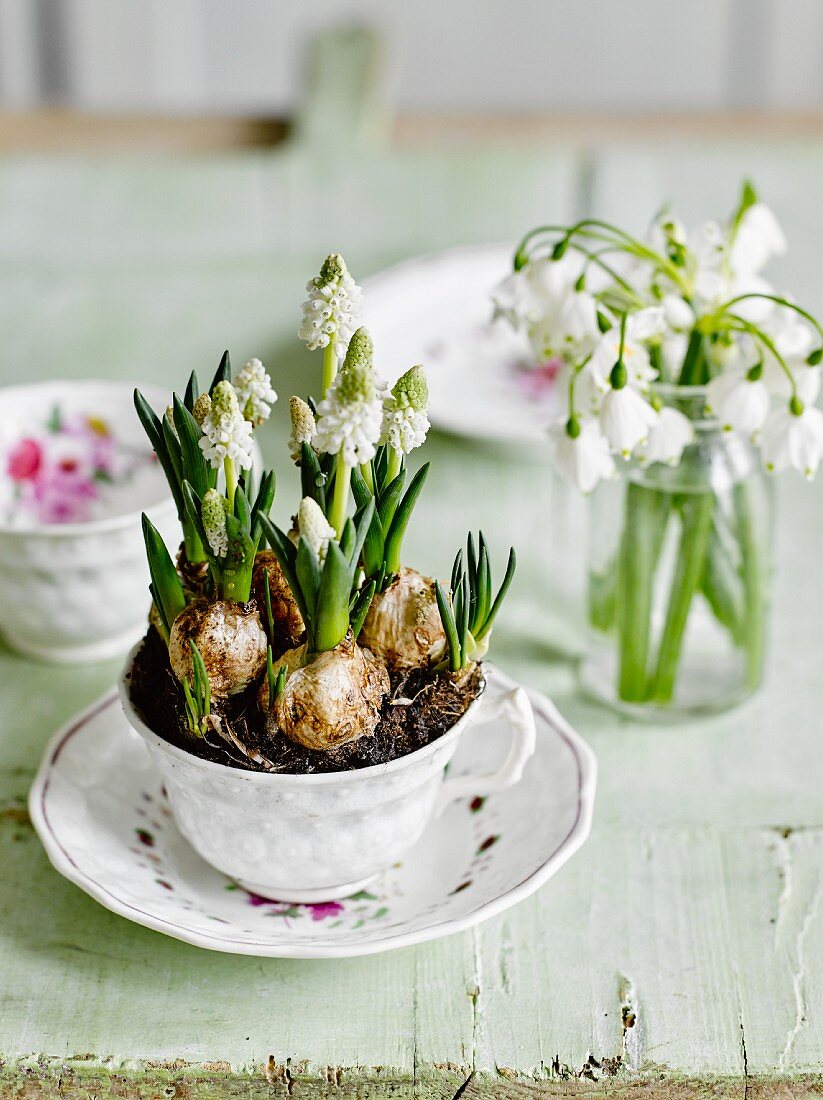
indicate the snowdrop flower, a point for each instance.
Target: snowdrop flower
{"x":793,"y":436}
{"x":350,"y":416}
{"x":544,"y":300}
{"x":626,"y":419}
{"x":332,"y":311}
{"x":405,"y":422}
{"x":213,"y":515}
{"x":254,"y":392}
{"x":740,"y":401}
{"x":226,"y":435}
{"x":580,"y":453}
{"x":314,"y":527}
{"x":667,"y":439}
{"x":647,"y":324}
{"x":303,"y":427}
{"x":677,"y":313}
{"x":757,"y":240}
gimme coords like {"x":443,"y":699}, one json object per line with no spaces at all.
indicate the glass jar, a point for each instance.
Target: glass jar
{"x":679,"y":573}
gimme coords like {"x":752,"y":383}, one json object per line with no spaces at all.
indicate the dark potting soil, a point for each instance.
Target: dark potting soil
{"x":436,"y":704}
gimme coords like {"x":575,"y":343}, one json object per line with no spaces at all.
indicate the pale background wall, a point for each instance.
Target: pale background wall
{"x":244,"y":56}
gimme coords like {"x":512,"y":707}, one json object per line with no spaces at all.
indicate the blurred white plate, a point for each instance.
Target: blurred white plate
{"x":436,"y":310}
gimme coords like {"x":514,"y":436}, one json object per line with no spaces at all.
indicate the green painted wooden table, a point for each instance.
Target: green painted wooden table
{"x":680,"y":953}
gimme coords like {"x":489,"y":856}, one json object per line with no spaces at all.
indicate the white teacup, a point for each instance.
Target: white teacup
{"x":79,"y":591}
{"x":312,"y":838}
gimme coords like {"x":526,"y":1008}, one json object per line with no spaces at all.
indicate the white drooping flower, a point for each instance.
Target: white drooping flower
{"x":740,"y":400}
{"x":350,"y":416}
{"x":626,"y":419}
{"x":758,"y":239}
{"x":332,"y":310}
{"x":314,"y":527}
{"x":213,"y":515}
{"x":405,"y":420}
{"x":226,"y":434}
{"x":581,"y":455}
{"x":544,"y":301}
{"x":255,"y":394}
{"x":667,"y":438}
{"x":793,"y":437}
{"x":303,"y":427}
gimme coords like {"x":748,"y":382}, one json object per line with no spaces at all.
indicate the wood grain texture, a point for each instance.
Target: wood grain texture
{"x":677,"y":955}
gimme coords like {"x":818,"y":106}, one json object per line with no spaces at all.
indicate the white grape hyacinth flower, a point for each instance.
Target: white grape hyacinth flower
{"x":303,"y":427}
{"x":350,"y":416}
{"x":213,"y":515}
{"x":793,"y":437}
{"x":667,"y":439}
{"x":405,"y":419}
{"x":255,"y":393}
{"x":333,"y":309}
{"x":582,"y":459}
{"x":314,"y":527}
{"x":226,"y":433}
{"x":739,"y":401}
{"x":626,"y":419}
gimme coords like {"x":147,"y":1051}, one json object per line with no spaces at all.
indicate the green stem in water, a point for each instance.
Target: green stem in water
{"x":696,"y":519}
{"x":329,"y":364}
{"x":643,"y":532}
{"x":231,"y":482}
{"x":340,"y":501}
{"x":754,"y":568}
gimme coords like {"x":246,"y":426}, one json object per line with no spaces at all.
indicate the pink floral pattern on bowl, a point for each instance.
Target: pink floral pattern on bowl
{"x":58,"y":472}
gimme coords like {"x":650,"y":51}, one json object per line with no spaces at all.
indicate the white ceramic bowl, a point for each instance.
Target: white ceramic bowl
{"x":312,"y":838}
{"x":73,"y":592}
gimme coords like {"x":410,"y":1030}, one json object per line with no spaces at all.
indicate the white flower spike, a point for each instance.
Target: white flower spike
{"x":580,"y":453}
{"x":226,"y":434}
{"x":793,"y":437}
{"x":255,"y":394}
{"x":303,"y":427}
{"x":350,"y":416}
{"x":332,"y":311}
{"x":213,"y":515}
{"x":314,"y":527}
{"x":405,"y":422}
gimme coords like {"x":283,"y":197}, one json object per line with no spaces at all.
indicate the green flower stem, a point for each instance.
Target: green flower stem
{"x":696,"y":518}
{"x":394,"y":464}
{"x":231,"y":481}
{"x":643,"y":531}
{"x":367,"y":474}
{"x":777,"y":299}
{"x":340,"y":501}
{"x":602,"y":590}
{"x":755,"y":580}
{"x":329,"y":364}
{"x":693,"y":371}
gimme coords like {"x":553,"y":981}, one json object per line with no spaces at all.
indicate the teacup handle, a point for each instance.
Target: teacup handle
{"x":515,"y":705}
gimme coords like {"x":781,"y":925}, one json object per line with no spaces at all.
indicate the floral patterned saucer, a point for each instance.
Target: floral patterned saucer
{"x":437,"y":310}
{"x":99,"y":808}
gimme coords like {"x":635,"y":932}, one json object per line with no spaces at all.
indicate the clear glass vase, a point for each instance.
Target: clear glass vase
{"x":679,"y":576}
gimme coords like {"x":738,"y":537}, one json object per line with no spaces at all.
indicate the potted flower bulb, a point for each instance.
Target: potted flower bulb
{"x":304,"y":697}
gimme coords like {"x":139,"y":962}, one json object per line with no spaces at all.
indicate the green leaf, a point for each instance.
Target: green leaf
{"x":223,"y":373}
{"x":193,"y":504}
{"x":388,"y":500}
{"x":332,"y":613}
{"x":194,"y":466}
{"x":286,"y":554}
{"x":262,"y":504}
{"x":153,"y":429}
{"x":457,"y":571}
{"x":501,"y":595}
{"x":242,"y":511}
{"x":308,"y":576}
{"x":362,"y":523}
{"x":313,"y":481}
{"x":394,"y":540}
{"x":449,"y":626}
{"x":461,"y":616}
{"x":484,"y":586}
{"x":471,"y":562}
{"x":165,"y":583}
{"x":361,"y":607}
{"x":192,"y":391}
